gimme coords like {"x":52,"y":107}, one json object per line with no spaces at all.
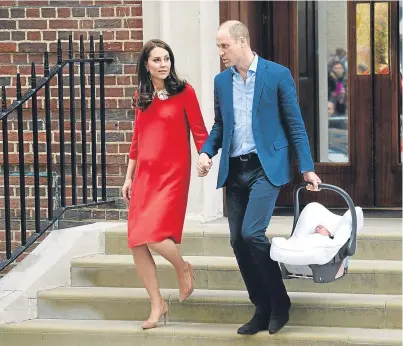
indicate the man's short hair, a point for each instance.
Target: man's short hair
{"x":237,"y":29}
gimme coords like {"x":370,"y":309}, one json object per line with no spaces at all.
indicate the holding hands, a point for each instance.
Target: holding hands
{"x":203,"y":165}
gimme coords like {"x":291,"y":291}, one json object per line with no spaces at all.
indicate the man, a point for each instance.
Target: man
{"x":256,"y":115}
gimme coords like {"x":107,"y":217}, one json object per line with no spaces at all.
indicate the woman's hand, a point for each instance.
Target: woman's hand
{"x":127,"y":190}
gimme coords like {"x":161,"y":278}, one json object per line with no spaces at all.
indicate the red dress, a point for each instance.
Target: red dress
{"x":161,"y":146}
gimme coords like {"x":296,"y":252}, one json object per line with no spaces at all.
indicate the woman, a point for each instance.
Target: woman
{"x":158,"y":174}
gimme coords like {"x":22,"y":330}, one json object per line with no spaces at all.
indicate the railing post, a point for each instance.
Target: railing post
{"x":61,"y":125}
{"x":72,"y":125}
{"x":36,"y":151}
{"x":21,"y":164}
{"x":83,"y":121}
{"x":48,"y":138}
{"x":102,"y":116}
{"x":93,"y":122}
{"x":6,"y":175}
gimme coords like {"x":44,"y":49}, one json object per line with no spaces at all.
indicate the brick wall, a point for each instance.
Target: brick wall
{"x":27,"y":29}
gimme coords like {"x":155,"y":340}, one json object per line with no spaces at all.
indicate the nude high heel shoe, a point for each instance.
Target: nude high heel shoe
{"x":185,"y":294}
{"x":153,"y":324}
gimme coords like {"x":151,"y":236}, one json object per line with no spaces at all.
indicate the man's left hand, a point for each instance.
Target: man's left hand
{"x":311,"y":177}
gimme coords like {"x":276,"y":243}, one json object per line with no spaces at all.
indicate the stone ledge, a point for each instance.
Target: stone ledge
{"x":46,"y":267}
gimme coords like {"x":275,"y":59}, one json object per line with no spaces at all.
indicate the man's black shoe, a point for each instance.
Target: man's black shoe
{"x":278,"y":321}
{"x":259,"y":321}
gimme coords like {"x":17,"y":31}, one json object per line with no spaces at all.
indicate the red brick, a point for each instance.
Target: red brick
{"x":8,"y":70}
{"x":33,"y":24}
{"x":125,"y":104}
{"x":116,"y":159}
{"x":86,"y":24}
{"x":64,"y":12}
{"x":126,"y":125}
{"x":108,"y":12}
{"x":108,"y":23}
{"x":33,"y":13}
{"x":137,"y":35}
{"x":77,"y":34}
{"x":33,"y":35}
{"x":124,"y":148}
{"x":110,"y":2}
{"x":5,"y":58}
{"x":33,"y":3}
{"x":122,"y":35}
{"x":65,"y":24}
{"x":114,"y":92}
{"x":137,"y":11}
{"x":132,"y":2}
{"x":112,"y":148}
{"x":49,"y":35}
{"x":129,"y":69}
{"x":111,"y":103}
{"x":48,"y":12}
{"x":123,"y":80}
{"x":113,"y":169}
{"x":9,"y":3}
{"x":8,"y":47}
{"x":129,"y":137}
{"x":109,"y":35}
{"x":133,"y":46}
{"x":133,"y":23}
{"x":115,"y":181}
{"x":113,"y":46}
{"x":122,"y":11}
{"x":32,"y":47}
{"x":28,"y":158}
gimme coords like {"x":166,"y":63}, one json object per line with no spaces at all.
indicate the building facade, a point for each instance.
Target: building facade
{"x":344,"y":56}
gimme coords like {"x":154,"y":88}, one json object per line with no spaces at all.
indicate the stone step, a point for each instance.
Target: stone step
{"x":127,"y":333}
{"x":364,"y":276}
{"x":213,"y":306}
{"x":380,"y":239}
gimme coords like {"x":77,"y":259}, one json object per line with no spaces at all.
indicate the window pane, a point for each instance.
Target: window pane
{"x":333,"y":81}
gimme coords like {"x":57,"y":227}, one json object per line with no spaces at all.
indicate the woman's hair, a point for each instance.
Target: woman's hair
{"x":145,"y":92}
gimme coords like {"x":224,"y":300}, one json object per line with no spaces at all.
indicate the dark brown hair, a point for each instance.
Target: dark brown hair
{"x":173,"y":84}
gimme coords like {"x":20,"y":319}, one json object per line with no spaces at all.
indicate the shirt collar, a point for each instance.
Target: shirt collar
{"x":252,"y":67}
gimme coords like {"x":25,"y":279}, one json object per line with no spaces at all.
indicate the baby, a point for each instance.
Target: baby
{"x":323,"y":230}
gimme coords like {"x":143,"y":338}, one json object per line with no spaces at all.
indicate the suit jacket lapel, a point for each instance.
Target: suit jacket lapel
{"x":261,"y":75}
{"x":229,"y":96}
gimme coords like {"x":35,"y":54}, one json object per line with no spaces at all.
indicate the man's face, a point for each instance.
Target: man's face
{"x":229,"y":50}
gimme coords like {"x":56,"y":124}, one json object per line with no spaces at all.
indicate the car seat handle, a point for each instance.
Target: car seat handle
{"x":352,"y":243}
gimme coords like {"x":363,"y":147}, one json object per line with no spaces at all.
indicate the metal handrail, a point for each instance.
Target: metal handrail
{"x":31,"y":94}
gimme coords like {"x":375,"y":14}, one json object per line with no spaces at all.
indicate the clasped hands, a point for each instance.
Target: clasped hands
{"x":204,"y":164}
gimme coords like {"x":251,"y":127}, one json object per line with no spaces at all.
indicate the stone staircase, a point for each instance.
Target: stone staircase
{"x":106,"y":303}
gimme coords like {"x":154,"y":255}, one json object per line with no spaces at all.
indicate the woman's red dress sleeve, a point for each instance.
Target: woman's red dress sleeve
{"x":195,"y":117}
{"x":134,"y":146}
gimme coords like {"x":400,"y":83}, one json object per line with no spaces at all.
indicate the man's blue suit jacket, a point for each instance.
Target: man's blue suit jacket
{"x":276,"y":123}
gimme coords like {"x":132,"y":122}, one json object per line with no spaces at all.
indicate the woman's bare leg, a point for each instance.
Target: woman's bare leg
{"x":145,"y":267}
{"x":170,"y":251}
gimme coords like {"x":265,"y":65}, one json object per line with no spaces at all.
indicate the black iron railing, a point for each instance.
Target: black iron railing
{"x":55,"y":211}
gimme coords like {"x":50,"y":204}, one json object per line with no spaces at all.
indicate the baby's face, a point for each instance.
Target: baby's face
{"x":322,"y":230}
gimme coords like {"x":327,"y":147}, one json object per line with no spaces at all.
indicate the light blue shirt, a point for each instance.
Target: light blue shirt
{"x":243,"y":91}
